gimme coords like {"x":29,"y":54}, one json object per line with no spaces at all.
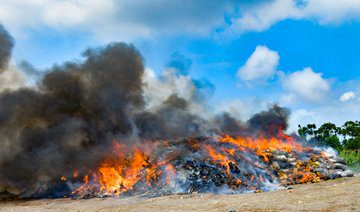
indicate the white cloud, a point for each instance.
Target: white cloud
{"x":264,"y":15}
{"x":347,"y":96}
{"x":261,"y":64}
{"x":88,"y":15}
{"x":78,"y":12}
{"x":307,"y":85}
{"x":332,"y":11}
{"x":261,"y":17}
{"x":335,"y":112}
{"x":128,"y":20}
{"x":53,"y":13}
{"x":111,"y":19}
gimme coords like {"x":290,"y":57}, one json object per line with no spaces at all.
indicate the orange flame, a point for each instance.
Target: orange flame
{"x":128,"y":166}
{"x":218,"y":157}
{"x":121,"y":174}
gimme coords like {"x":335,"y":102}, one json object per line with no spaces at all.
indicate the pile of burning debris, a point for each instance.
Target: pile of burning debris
{"x":313,"y":166}
{"x":217,"y":164}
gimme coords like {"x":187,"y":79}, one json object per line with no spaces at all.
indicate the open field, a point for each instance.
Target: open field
{"x":334,"y":195}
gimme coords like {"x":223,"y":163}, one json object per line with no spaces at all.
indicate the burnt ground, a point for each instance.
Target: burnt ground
{"x":334,"y":195}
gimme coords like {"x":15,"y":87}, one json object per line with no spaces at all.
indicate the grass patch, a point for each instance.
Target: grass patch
{"x":352,"y":158}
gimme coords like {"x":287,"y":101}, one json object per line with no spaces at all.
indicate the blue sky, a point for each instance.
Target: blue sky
{"x":301,"y":54}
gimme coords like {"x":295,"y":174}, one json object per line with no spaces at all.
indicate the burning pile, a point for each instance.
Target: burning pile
{"x":102,"y":127}
{"x":205,"y":164}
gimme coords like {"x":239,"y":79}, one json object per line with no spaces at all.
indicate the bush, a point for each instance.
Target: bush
{"x":352,"y":157}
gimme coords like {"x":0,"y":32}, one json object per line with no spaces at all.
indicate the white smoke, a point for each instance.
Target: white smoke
{"x":11,"y":79}
{"x":160,"y":88}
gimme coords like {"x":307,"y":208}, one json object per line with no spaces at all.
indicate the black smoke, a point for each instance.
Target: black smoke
{"x":6,"y":45}
{"x":173,"y":120}
{"x":69,"y":121}
{"x":75,"y":112}
{"x":269,"y":122}
{"x":227,"y":124}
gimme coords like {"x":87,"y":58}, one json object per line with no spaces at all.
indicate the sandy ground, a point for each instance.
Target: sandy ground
{"x":335,"y":195}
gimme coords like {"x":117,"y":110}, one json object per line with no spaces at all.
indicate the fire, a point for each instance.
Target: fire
{"x":262,"y":143}
{"x":170,"y":173}
{"x":142,"y":168}
{"x":218,"y":157}
{"x":121,"y":174}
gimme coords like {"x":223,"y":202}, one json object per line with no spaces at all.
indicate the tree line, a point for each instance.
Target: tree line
{"x":345,"y":137}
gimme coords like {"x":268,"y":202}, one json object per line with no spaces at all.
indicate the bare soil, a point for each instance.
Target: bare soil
{"x":333,"y":195}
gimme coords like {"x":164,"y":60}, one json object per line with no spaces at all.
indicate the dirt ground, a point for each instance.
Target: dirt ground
{"x":334,"y":195}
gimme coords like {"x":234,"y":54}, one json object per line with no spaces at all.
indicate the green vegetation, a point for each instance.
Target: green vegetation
{"x":352,"y":157}
{"x":345,"y":139}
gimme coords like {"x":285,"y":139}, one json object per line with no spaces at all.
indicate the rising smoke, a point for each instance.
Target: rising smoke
{"x":6,"y":44}
{"x":69,"y":120}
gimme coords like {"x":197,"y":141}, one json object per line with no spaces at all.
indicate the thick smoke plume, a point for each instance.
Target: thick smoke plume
{"x":77,"y":109}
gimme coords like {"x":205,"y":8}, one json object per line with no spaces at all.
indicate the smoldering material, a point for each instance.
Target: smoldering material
{"x":6,"y":45}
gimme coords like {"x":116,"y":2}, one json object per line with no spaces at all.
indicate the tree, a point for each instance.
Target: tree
{"x":345,"y":137}
{"x":351,"y":134}
{"x":308,"y":130}
{"x":328,"y":134}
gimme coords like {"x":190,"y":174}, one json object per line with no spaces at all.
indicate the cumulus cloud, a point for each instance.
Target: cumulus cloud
{"x":264,"y":15}
{"x":347,"y":96}
{"x":261,"y":17}
{"x":306,"y":84}
{"x":332,"y":11}
{"x":261,"y":64}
